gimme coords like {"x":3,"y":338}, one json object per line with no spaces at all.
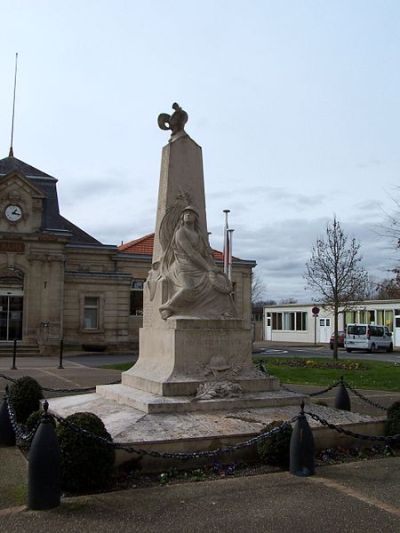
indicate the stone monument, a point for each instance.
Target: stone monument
{"x":194,"y":386}
{"x":192,"y":344}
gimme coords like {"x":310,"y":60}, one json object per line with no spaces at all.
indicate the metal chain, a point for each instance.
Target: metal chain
{"x":339,"y":429}
{"x":19,"y":429}
{"x":177,"y":455}
{"x":8,"y":378}
{"x":364,"y":398}
{"x":313,"y":393}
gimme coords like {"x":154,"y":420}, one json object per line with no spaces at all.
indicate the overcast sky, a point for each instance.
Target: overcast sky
{"x":295,"y":103}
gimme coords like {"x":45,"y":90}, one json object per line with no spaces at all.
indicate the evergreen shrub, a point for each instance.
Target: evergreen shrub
{"x":86,"y":464}
{"x":274,"y":450}
{"x":392,"y":426}
{"x":25,"y":396}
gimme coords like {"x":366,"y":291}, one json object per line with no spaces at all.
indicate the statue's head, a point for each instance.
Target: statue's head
{"x":190,"y":214}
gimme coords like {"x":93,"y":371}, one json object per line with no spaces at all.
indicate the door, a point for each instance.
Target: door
{"x":396,"y":328}
{"x":325,"y":330}
{"x":268,"y":327}
{"x":11,"y":317}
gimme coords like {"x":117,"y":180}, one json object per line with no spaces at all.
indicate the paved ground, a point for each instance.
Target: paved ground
{"x":355,"y":497}
{"x":361,"y":496}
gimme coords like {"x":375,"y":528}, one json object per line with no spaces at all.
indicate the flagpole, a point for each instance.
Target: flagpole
{"x":226,"y":242}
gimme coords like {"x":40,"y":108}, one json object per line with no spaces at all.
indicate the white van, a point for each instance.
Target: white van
{"x":368,"y":337}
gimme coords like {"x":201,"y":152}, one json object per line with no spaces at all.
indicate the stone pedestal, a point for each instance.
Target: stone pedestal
{"x":181,"y":354}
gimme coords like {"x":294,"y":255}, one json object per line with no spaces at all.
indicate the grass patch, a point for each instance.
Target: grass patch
{"x":119,"y":366}
{"x":359,"y":374}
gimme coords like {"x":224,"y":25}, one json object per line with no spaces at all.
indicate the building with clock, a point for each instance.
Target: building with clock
{"x":58,"y":282}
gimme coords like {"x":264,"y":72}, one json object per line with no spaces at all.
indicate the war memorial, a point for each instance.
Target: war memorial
{"x":194,"y":386}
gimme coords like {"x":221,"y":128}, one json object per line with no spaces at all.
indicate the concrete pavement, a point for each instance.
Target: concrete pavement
{"x":353,"y":497}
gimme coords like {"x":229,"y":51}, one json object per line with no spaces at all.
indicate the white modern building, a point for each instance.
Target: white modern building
{"x":297,"y":323}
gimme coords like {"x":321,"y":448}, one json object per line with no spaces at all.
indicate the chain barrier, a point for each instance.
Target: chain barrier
{"x":177,"y":455}
{"x":19,"y":429}
{"x":23,"y":435}
{"x":8,"y":378}
{"x":313,"y":393}
{"x":380,"y":438}
{"x":364,"y":398}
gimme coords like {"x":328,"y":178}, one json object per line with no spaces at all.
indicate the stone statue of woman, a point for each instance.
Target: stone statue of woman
{"x":196,"y":286}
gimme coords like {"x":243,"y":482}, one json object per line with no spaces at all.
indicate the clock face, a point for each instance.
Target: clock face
{"x":13,"y":213}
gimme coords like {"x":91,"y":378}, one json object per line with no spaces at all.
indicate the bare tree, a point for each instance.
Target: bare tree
{"x":258,"y":289}
{"x":335,"y":273}
{"x":389,"y":288}
{"x":289,"y":300}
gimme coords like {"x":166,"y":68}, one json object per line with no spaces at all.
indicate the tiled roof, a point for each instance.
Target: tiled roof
{"x":144,"y":246}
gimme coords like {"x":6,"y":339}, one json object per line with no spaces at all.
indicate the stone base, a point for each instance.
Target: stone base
{"x":197,"y":431}
{"x":152,"y":403}
{"x":180,"y":353}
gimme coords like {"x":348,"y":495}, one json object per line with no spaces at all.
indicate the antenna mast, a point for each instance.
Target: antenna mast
{"x":11,"y":154}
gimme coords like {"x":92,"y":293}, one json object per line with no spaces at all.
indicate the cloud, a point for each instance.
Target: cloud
{"x":282,"y":249}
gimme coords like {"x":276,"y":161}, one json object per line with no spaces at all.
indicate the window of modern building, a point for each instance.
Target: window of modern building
{"x":91,"y":312}
{"x":301,"y":321}
{"x":136,"y":304}
{"x":389,"y":319}
{"x":290,"y":321}
{"x":277,"y":321}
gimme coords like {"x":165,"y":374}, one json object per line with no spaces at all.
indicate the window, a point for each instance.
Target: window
{"x":277,"y":321}
{"x":301,"y":321}
{"x":136,"y":304}
{"x":91,"y":312}
{"x":290,"y":321}
{"x":389,"y":319}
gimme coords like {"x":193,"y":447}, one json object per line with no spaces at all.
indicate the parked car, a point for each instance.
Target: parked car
{"x":340,"y":340}
{"x":368,"y":337}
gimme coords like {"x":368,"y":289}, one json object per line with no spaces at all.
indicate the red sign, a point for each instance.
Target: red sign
{"x":315,"y":311}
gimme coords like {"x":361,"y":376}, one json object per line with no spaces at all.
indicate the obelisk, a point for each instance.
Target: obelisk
{"x":191,"y":335}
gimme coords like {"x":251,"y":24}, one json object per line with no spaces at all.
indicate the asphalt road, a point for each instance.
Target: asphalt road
{"x":318,"y":351}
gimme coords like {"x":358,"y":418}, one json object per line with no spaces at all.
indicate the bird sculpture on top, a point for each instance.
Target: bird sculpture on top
{"x":175,"y":122}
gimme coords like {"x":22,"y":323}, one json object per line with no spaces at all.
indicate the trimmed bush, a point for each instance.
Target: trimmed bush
{"x":86,"y":464}
{"x":392,"y":426}
{"x":25,"y":396}
{"x":275,"y":449}
{"x":34,"y":418}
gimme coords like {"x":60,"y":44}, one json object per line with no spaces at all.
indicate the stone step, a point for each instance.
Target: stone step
{"x":207,"y":430}
{"x":153,"y":403}
{"x":7,"y":349}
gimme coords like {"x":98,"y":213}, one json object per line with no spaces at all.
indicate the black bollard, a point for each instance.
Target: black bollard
{"x":14,"y":355}
{"x":7,"y":435}
{"x":302,"y":447}
{"x":44,"y":471}
{"x":60,"y":366}
{"x":342,"y":398}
